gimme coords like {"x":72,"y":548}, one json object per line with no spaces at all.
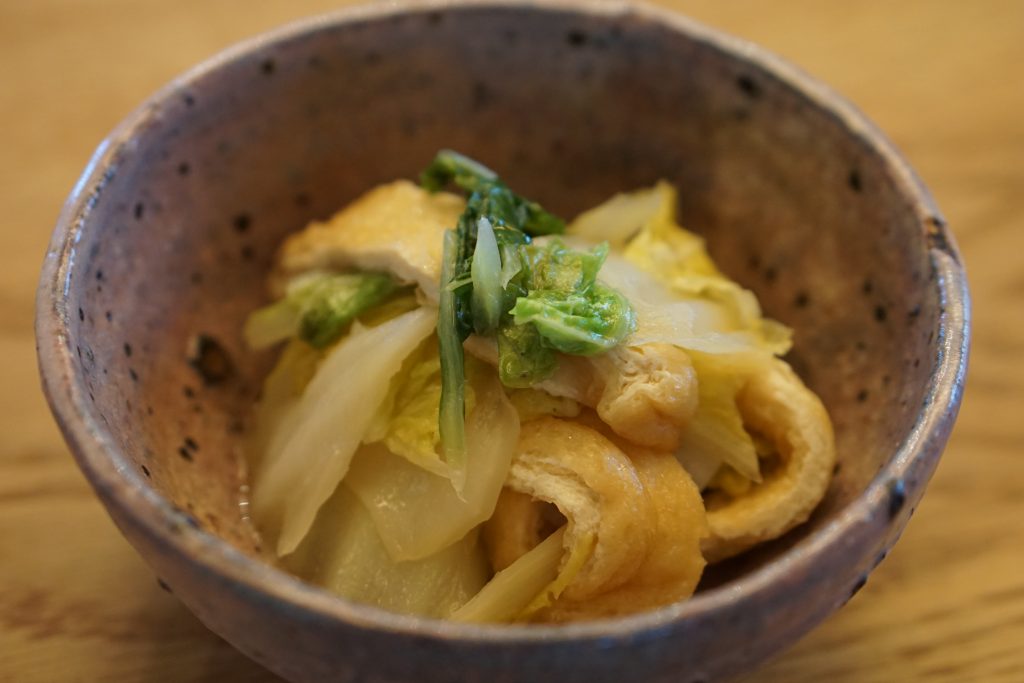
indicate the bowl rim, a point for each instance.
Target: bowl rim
{"x":119,"y":484}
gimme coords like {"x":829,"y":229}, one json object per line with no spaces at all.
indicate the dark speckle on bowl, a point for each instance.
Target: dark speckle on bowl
{"x":209,"y":359}
{"x":897,"y":496}
{"x":853,"y":180}
{"x":576,"y":38}
{"x":748,"y":86}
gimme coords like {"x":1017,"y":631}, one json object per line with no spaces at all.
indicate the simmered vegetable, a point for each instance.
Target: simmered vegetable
{"x":510,"y":592}
{"x":416,"y":511}
{"x":483,"y":415}
{"x":495,"y":282}
{"x":344,"y":553}
{"x":312,"y":456}
{"x":318,"y":308}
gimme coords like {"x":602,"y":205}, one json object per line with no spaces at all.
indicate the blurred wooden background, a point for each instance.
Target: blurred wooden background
{"x":942,"y":78}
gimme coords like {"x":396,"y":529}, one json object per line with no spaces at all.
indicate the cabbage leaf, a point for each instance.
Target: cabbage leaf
{"x":418,"y":512}
{"x":716,"y":432}
{"x":515,"y":587}
{"x":577,"y":324}
{"x":679,"y":260}
{"x":318,"y":307}
{"x":523,"y":359}
{"x":557,"y":293}
{"x":312,"y":453}
{"x":344,"y":554}
{"x":406,"y":423}
{"x":488,"y":293}
{"x":282,"y":390}
{"x":619,"y":219}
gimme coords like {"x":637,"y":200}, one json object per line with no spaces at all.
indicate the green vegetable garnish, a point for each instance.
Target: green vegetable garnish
{"x":452,"y":410}
{"x":495,"y":281}
{"x":489,"y":197}
{"x":578,"y":324}
{"x":318,"y":308}
{"x":561,"y":297}
{"x":511,"y":220}
{"x":556,"y":267}
{"x":523,"y":359}
{"x":486,"y":277}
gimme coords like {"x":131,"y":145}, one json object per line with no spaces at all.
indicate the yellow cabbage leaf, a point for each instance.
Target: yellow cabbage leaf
{"x":531,"y":583}
{"x":309,"y":455}
{"x":344,"y":554}
{"x":407,"y":422}
{"x":717,"y":434}
{"x":508,"y":594}
{"x":619,"y":219}
{"x":417,"y":512}
{"x":282,"y":389}
{"x":678,"y":260}
{"x":571,"y":566}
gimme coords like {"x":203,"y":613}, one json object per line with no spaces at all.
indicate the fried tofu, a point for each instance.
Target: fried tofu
{"x":396,"y":228}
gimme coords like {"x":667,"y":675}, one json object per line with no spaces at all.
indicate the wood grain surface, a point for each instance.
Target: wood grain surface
{"x":943,"y":79}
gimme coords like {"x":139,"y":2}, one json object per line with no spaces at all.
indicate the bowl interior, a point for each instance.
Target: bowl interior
{"x":569,"y":109}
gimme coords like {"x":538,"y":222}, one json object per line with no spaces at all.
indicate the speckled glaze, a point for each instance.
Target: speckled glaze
{"x":163,"y":245}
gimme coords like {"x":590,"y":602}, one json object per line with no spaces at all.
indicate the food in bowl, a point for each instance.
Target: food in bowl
{"x":483,"y":414}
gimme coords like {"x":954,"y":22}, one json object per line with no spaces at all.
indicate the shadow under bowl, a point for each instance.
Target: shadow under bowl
{"x":164,"y":243}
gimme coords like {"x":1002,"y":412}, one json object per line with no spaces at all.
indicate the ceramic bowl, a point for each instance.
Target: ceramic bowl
{"x":164,"y":243}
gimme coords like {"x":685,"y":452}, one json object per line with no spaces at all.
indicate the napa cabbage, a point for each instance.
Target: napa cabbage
{"x":312,"y":452}
{"x":344,"y":553}
{"x":318,"y":307}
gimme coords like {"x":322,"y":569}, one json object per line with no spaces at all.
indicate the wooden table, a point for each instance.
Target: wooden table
{"x":942,"y":78}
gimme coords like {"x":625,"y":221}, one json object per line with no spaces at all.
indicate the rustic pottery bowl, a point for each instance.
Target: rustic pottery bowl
{"x":164,"y":243}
